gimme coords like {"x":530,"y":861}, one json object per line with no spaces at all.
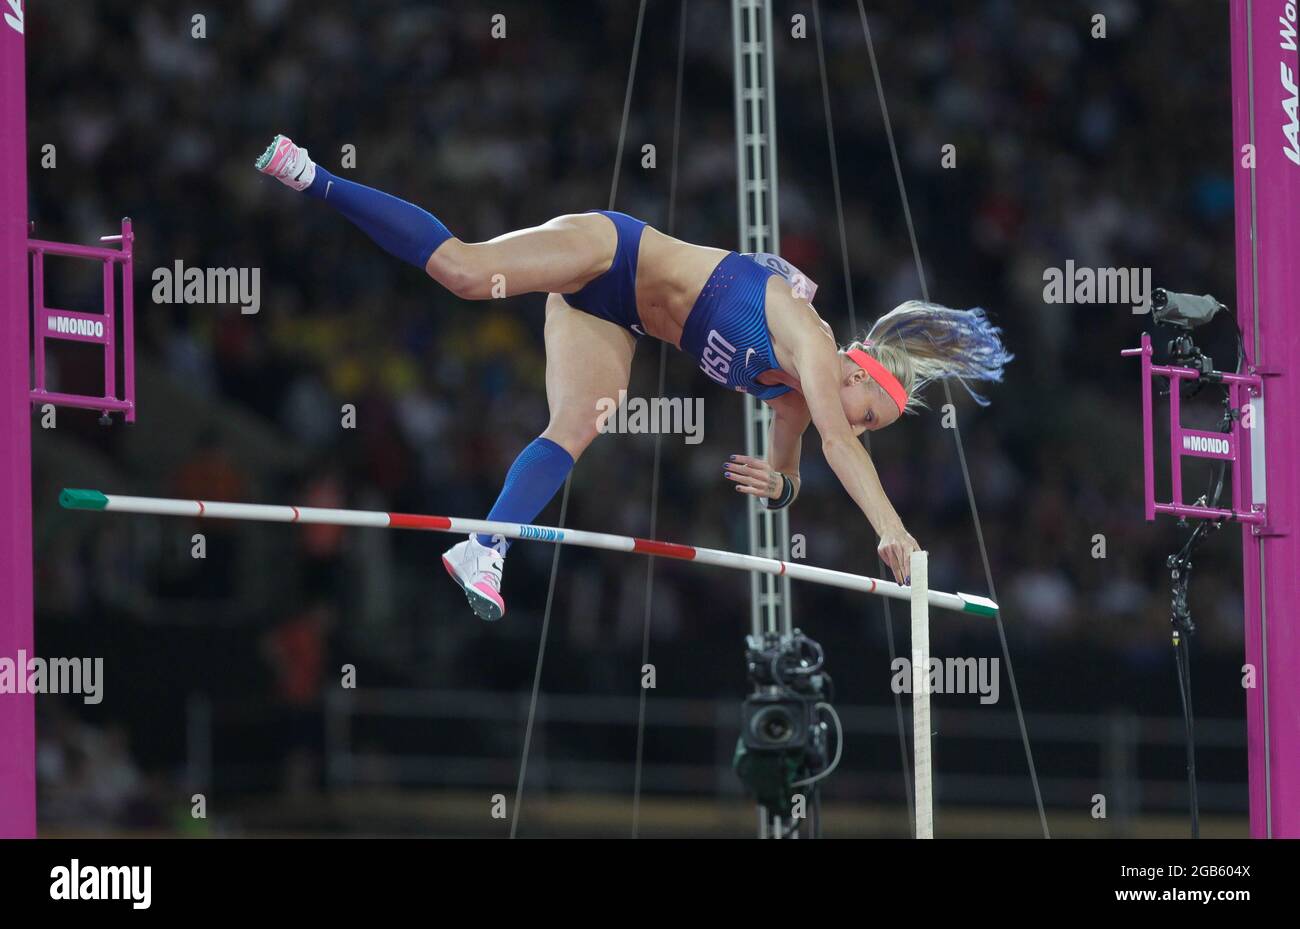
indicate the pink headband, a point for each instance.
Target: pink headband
{"x":880,"y":374}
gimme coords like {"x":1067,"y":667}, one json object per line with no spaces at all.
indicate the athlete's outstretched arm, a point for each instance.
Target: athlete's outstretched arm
{"x":790,"y":421}
{"x":758,"y":478}
{"x":818,"y":366}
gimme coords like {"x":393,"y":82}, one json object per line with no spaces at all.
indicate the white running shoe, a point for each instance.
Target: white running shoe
{"x":287,"y":163}
{"x":477,"y":569}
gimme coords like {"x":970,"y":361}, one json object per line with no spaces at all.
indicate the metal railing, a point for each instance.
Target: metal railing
{"x":583,"y":742}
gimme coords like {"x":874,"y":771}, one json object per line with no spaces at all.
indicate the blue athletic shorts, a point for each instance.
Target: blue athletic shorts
{"x":612,"y":295}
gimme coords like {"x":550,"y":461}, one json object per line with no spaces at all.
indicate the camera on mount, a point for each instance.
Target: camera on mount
{"x":1185,"y":312}
{"x":783,"y":739}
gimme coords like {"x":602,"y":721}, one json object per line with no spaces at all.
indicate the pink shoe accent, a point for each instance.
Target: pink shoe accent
{"x":492,"y":595}
{"x":481,"y":589}
{"x":283,"y":151}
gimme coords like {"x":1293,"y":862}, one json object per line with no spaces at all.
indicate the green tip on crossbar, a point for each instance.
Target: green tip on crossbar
{"x":72,"y":499}
{"x":980,"y":606}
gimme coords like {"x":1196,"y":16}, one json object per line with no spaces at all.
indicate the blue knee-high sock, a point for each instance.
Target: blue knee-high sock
{"x":531,"y":482}
{"x":402,"y":229}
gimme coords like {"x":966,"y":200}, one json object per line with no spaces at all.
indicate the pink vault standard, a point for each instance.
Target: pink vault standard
{"x":21,"y":387}
{"x":1266,"y":125}
{"x":1264,"y":453}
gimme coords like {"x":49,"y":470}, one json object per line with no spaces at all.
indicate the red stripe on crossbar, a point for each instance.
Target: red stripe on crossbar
{"x":667,"y":549}
{"x":412,"y":521}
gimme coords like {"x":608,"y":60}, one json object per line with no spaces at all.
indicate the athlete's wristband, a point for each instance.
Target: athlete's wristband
{"x":786,"y":498}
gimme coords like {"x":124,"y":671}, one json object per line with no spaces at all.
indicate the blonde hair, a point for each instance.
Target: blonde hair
{"x":920,"y":343}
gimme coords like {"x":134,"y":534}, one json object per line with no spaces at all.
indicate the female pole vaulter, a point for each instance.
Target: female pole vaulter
{"x":611,"y":279}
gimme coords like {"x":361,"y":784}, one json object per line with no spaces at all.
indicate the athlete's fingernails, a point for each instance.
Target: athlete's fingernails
{"x":908,"y":579}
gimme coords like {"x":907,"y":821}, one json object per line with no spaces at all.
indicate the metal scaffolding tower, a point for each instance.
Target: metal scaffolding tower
{"x":769,"y":532}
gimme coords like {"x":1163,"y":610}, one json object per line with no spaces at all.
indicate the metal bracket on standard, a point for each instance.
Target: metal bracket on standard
{"x":96,"y":328}
{"x":1242,"y":389}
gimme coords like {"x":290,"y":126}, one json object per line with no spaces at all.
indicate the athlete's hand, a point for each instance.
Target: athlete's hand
{"x":753,"y":476}
{"x":895,"y":549}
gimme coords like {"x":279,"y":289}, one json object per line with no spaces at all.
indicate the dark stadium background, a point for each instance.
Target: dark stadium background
{"x":1113,"y":152}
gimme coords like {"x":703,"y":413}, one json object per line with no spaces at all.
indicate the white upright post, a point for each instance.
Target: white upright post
{"x":921,"y":696}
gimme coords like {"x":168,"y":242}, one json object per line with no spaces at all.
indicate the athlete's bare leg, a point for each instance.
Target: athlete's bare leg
{"x":559,"y":256}
{"x":588,"y":359}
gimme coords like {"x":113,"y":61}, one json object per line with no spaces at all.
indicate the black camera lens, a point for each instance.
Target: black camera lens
{"x":773,"y":725}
